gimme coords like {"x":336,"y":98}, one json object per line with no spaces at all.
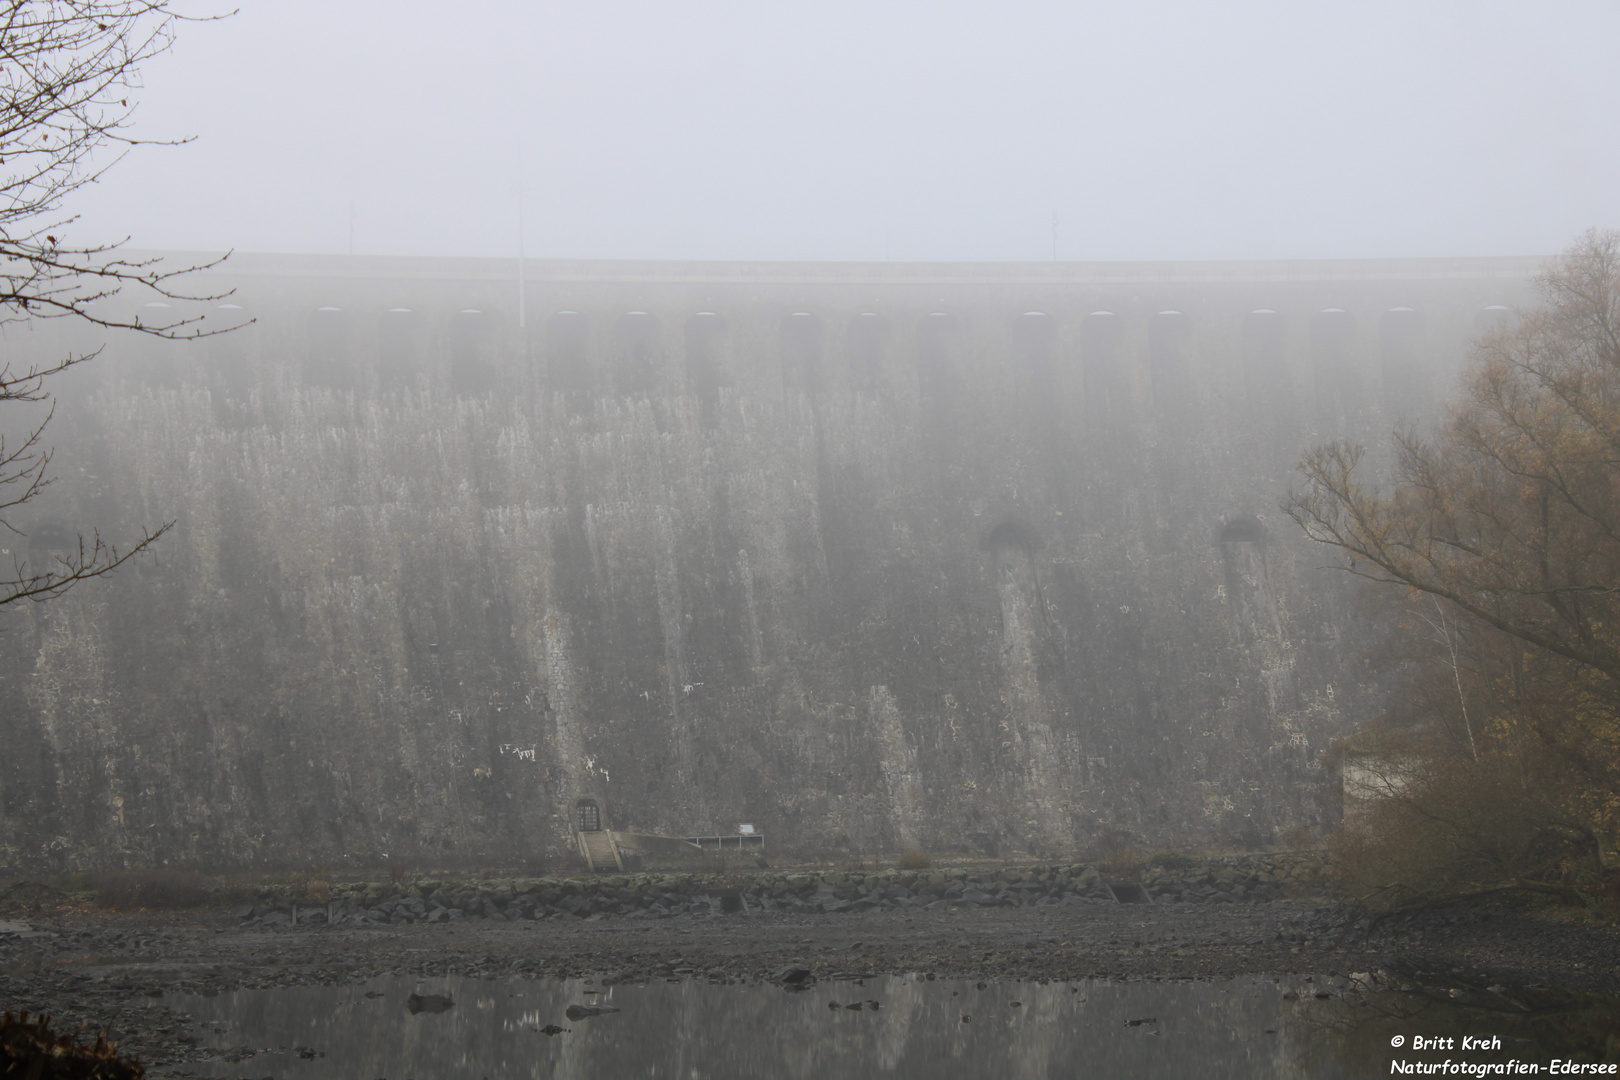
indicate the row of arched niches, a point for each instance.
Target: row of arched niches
{"x":1349,"y":363}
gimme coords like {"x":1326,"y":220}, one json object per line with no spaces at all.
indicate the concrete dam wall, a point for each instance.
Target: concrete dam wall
{"x":959,"y":557}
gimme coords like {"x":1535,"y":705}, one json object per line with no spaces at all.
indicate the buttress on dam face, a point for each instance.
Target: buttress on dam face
{"x":961,"y":557}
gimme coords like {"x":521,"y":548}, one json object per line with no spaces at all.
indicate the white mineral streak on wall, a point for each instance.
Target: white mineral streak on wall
{"x":671,"y":611}
{"x":1028,"y":714}
{"x":67,"y":688}
{"x":756,"y":640}
{"x":772,"y":499}
{"x":671,"y":619}
{"x":670,"y":614}
{"x":563,"y":679}
{"x":1259,"y":618}
{"x":1246,"y":579}
{"x":899,"y":764}
{"x":525,"y":537}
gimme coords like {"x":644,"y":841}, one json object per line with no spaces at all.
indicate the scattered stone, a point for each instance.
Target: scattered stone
{"x":581,"y":1012}
{"x":794,"y":975}
{"x":433,"y":1003}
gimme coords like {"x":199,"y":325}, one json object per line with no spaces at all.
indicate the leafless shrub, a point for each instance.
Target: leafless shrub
{"x":1119,"y":863}
{"x":310,"y":884}
{"x":131,"y":890}
{"x":1446,"y":826}
{"x":915,"y":859}
{"x":1171,"y":860}
{"x":34,"y":1048}
{"x":1299,"y":838}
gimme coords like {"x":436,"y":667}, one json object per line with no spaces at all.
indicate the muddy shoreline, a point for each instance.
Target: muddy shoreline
{"x":112,"y":971}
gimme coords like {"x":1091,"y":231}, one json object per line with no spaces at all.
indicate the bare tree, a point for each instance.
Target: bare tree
{"x":1509,"y":518}
{"x":69,"y":70}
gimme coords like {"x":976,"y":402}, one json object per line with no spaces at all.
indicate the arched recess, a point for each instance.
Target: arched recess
{"x":1402,"y":360}
{"x":799,"y":344}
{"x":161,"y":363}
{"x":638,"y":363}
{"x":868,"y":340}
{"x":230,"y":374}
{"x":1243,"y":559}
{"x":327,"y":359}
{"x":706,"y":337}
{"x":1333,"y":366}
{"x":1493,"y":318}
{"x":568,"y":358}
{"x":1170,"y":364}
{"x":227,"y":346}
{"x":1034,"y":336}
{"x":1102,"y":366}
{"x":1264,"y":348}
{"x":1010,"y":534}
{"x":1012,"y":548}
{"x":472,"y":353}
{"x":399,"y":348}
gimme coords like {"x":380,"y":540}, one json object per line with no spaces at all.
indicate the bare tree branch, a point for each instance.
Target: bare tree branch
{"x":69,"y":75}
{"x":1509,"y":519}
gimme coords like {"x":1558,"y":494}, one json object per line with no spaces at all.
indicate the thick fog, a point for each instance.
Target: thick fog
{"x":892,"y":131}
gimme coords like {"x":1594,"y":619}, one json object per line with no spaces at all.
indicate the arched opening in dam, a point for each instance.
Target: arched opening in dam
{"x":868,"y":344}
{"x":638,"y":368}
{"x":800,"y":344}
{"x":473,"y":368}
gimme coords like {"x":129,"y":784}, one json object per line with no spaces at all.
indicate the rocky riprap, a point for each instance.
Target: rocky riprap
{"x":1225,"y":879}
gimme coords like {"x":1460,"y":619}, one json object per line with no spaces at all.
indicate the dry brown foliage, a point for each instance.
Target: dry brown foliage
{"x":915,"y":859}
{"x":131,"y":890}
{"x":310,"y":884}
{"x":1499,"y":766}
{"x":34,"y":1049}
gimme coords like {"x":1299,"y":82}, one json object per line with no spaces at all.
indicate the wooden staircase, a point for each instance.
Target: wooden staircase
{"x":600,"y":851}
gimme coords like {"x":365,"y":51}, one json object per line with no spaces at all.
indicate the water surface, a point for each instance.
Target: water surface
{"x":1253,"y":1027}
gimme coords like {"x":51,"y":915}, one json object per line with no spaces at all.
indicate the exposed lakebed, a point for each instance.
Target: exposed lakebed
{"x":901,"y":1026}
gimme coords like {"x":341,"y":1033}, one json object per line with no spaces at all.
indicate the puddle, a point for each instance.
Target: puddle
{"x":1241,"y":1028}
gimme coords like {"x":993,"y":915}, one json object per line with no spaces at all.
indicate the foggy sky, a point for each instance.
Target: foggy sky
{"x":767,"y":130}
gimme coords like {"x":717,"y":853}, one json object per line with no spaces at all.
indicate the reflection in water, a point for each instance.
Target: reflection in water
{"x":1532,"y":1024}
{"x":1241,"y":1028}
